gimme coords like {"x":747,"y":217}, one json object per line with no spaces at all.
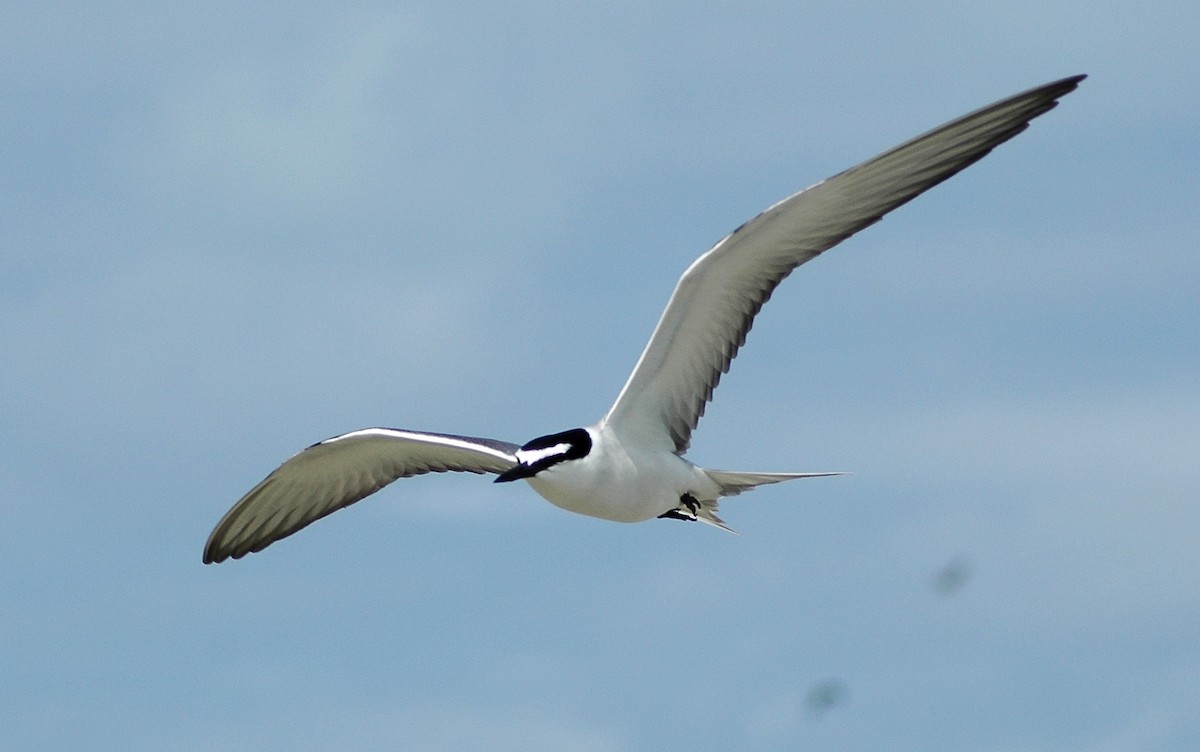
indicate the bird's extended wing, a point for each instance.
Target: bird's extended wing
{"x":717,"y":298}
{"x":338,"y":472}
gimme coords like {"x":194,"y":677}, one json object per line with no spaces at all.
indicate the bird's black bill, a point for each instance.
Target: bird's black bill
{"x":517,"y":472}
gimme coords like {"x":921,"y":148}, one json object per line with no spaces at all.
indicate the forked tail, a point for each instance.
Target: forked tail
{"x":733,"y":483}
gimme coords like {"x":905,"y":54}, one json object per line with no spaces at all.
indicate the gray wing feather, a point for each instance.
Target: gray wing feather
{"x":337,"y":472}
{"x":717,"y":298}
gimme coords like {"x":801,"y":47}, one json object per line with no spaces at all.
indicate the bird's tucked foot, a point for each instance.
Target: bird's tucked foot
{"x":688,"y":509}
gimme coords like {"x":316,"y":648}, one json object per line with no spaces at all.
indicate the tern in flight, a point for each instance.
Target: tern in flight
{"x":629,"y":466}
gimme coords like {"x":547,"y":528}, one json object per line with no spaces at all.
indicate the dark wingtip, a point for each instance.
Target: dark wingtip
{"x":1073,"y":81}
{"x":1065,"y":86}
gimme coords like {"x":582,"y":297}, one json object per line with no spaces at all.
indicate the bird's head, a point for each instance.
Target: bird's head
{"x":547,"y":451}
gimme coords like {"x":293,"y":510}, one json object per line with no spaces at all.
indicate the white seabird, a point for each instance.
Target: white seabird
{"x":629,"y":466}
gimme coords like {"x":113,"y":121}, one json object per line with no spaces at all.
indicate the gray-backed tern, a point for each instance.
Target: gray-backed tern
{"x":629,"y":466}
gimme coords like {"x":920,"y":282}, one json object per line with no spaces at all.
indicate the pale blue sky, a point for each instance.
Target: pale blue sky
{"x":233,"y":229}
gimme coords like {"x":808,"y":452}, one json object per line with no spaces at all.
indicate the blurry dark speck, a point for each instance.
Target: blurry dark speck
{"x":951,"y":578}
{"x":824,"y":696}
